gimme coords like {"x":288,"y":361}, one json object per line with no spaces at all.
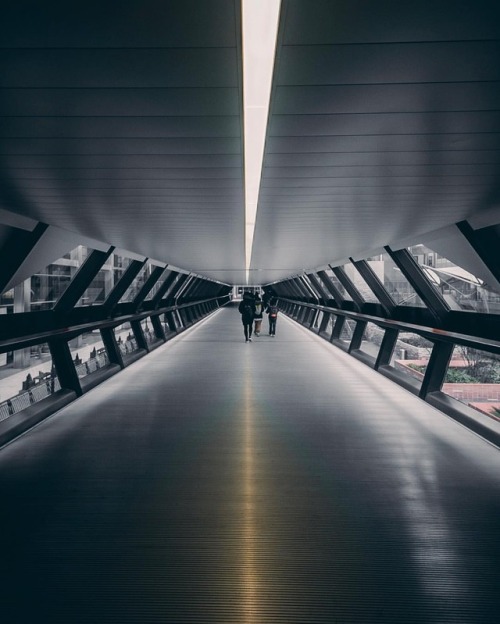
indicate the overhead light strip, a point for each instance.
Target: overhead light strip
{"x":259,"y":33}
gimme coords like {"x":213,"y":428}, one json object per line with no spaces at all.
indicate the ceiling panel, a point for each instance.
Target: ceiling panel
{"x":318,"y":130}
{"x":384,"y":119}
{"x":122,"y":122}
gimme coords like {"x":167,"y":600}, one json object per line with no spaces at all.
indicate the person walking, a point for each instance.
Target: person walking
{"x":272,"y":314}
{"x":247,"y":311}
{"x":259,"y":313}
{"x":265,"y":299}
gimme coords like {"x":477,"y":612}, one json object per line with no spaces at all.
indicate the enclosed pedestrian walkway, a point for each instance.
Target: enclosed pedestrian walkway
{"x":276,"y":481}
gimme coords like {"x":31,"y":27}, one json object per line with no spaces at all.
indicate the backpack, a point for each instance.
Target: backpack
{"x":248,"y":311}
{"x":273,"y":311}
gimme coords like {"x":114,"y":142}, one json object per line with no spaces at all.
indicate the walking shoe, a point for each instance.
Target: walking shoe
{"x":249,"y":340}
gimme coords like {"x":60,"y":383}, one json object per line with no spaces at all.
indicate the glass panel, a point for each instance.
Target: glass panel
{"x":137,"y":284}
{"x":125,"y":339}
{"x":317,"y":320}
{"x":89,"y":353}
{"x":338,"y":284}
{"x":105,"y":280}
{"x":460,"y":289}
{"x":43,"y":289}
{"x":411,"y":355}
{"x":312,"y":291}
{"x":119,"y":265}
{"x":347,"y":331}
{"x":327,"y":332}
{"x":148,"y":331}
{"x":394,"y":281}
{"x":355,"y":277}
{"x":26,"y":377}
{"x":473,"y":378}
{"x":372,"y":339}
{"x":158,"y":284}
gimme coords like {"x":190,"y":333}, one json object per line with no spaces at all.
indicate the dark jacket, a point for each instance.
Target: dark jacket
{"x":247,"y":309}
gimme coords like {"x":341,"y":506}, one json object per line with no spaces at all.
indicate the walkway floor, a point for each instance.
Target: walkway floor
{"x":221,"y":482}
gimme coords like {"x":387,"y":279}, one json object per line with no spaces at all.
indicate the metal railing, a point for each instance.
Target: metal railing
{"x":25,"y":399}
{"x":431,"y":388}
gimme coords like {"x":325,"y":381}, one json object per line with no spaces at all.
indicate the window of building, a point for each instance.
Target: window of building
{"x":42,"y":290}
{"x":461,"y":289}
{"x":396,"y":284}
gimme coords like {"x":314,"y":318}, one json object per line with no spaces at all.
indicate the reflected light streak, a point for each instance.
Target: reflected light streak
{"x":250,"y":593}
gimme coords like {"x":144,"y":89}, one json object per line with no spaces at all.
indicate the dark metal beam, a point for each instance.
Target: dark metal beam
{"x":65,"y":367}
{"x":436,"y":368}
{"x":334,"y":291}
{"x":312,"y":293}
{"x":354,"y":293}
{"x":318,"y":286}
{"x":111,"y":346}
{"x":136,"y":327}
{"x":82,"y":280}
{"x":376,"y":286}
{"x":131,"y":272}
{"x":357,"y":336}
{"x":156,"y":273}
{"x":179,"y":287}
{"x":300,"y":287}
{"x":15,"y":251}
{"x":158,"y":327}
{"x":486,"y":243}
{"x":289,"y":288}
{"x":164,"y":288}
{"x":414,"y":274}
{"x":387,"y":347}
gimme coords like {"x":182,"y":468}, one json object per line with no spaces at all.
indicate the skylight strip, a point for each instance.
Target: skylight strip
{"x":259,"y":32}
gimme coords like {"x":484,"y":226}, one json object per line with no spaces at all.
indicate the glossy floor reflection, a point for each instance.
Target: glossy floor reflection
{"x":275,"y":481}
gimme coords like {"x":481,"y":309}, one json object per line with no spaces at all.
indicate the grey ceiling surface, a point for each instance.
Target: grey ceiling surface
{"x":384,"y":122}
{"x":122,"y":122}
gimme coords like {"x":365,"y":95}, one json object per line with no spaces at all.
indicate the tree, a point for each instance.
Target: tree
{"x":480,"y":366}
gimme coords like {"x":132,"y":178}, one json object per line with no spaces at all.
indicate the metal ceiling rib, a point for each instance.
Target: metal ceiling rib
{"x":123,"y":123}
{"x":384,"y":122}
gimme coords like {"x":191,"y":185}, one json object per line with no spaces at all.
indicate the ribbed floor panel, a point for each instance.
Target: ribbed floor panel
{"x":221,"y":482}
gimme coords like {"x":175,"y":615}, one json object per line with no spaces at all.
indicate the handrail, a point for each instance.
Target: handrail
{"x":28,"y":340}
{"x":432,"y":333}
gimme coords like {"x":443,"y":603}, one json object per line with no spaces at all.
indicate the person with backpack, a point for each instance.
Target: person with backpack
{"x":247,"y":311}
{"x":272,"y":314}
{"x":259,"y":313}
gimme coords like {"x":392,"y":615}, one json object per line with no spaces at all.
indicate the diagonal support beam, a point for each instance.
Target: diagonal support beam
{"x":16,"y":249}
{"x":82,"y":280}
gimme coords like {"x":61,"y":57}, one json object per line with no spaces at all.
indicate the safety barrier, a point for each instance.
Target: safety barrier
{"x":328,"y":323}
